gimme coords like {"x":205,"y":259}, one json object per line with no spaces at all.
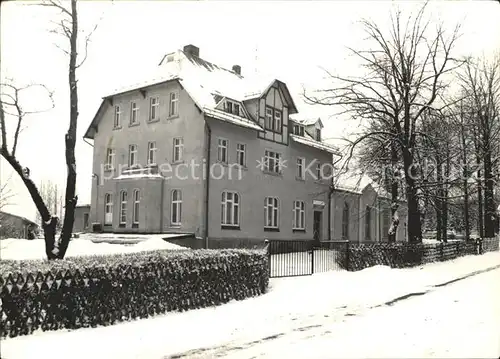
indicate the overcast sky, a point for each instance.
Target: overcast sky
{"x":289,"y":39}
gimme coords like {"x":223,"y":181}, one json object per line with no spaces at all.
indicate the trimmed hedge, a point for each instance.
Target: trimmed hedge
{"x":102,"y":290}
{"x":402,"y":254}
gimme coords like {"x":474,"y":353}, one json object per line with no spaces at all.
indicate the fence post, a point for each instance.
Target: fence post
{"x":312,"y":259}
{"x":268,"y":252}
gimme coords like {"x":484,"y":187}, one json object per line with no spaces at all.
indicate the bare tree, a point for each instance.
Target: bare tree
{"x":405,"y":73}
{"x":481,"y":80}
{"x":6,"y":193}
{"x":68,"y":28}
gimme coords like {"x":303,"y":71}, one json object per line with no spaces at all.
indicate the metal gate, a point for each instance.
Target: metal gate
{"x":290,"y":258}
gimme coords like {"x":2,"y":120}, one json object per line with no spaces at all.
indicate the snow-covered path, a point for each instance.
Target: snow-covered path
{"x":457,"y":320}
{"x":294,"y":309}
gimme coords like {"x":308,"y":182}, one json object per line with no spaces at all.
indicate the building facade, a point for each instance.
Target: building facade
{"x":14,"y":226}
{"x":82,"y":219}
{"x":202,"y":149}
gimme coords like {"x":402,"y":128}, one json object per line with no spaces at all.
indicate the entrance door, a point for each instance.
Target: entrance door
{"x":317,"y":226}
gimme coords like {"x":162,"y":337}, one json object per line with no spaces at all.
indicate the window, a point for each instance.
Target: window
{"x":174,"y":104}
{"x":223,"y":144}
{"x":300,"y":167}
{"x":318,"y":171}
{"x":178,"y":149}
{"x":386,"y":219}
{"x":108,"y":209}
{"x":230,"y":209}
{"x":85,"y":220}
{"x":137,"y":201}
{"x":123,"y":208}
{"x":236,"y":109}
{"x":299,"y":215}
{"x":298,"y":130}
{"x":271,"y":212}
{"x":154,"y":107}
{"x":118,"y":117}
{"x":272,"y":162}
{"x":176,"y":208}
{"x":132,"y":155}
{"x":318,"y":134}
{"x":345,"y":222}
{"x":152,"y":153}
{"x":273,"y":120}
{"x":229,"y":107}
{"x":277,"y":121}
{"x":110,"y":159}
{"x":368,"y":223}
{"x":269,"y":118}
{"x":241,"y":154}
{"x":134,"y":113}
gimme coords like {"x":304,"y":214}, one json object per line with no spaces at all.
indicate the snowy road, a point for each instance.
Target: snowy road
{"x":457,"y":320}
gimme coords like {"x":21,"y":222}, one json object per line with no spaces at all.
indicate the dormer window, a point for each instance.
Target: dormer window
{"x":232,"y":107}
{"x":298,"y":130}
{"x":273,"y":120}
{"x":318,"y":134}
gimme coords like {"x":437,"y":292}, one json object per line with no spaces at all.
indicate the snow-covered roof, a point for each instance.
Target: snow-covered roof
{"x":18,"y":216}
{"x":203,"y":81}
{"x":230,"y":118}
{"x":306,"y":121}
{"x":316,"y":144}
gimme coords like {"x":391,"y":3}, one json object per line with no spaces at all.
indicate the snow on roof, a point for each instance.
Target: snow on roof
{"x":315,"y":144}
{"x":202,"y":80}
{"x":230,"y":118}
{"x":305,"y":121}
{"x":352,"y":181}
{"x":33,"y":221}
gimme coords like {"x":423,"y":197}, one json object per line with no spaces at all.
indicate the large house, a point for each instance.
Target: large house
{"x":14,"y":226}
{"x":205,"y":150}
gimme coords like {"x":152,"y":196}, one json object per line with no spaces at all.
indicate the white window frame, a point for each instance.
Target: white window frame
{"x":177,"y":156}
{"x":268,"y":125}
{"x":134,"y":113}
{"x":241,"y":154}
{"x":228,"y":106}
{"x":236,"y":109}
{"x":272,"y":161}
{"x":136,"y":209}
{"x":132,"y":154}
{"x":110,"y":158}
{"x":368,"y":223}
{"x":154,"y":108}
{"x":299,"y":212}
{"x":178,"y":204}
{"x":173,"y":109}
{"x":123,"y":207}
{"x":272,"y":204}
{"x":222,"y":149}
{"x":298,"y":130}
{"x":318,"y":172}
{"x":317,"y":134}
{"x":230,"y":201}
{"x":108,"y":209}
{"x":301,"y":162}
{"x":118,"y":117}
{"x":277,"y":121}
{"x":152,"y":149}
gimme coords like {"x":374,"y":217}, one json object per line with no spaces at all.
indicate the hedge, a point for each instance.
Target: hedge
{"x":102,"y":290}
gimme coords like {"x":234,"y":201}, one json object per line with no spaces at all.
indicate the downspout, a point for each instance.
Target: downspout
{"x":207,"y":181}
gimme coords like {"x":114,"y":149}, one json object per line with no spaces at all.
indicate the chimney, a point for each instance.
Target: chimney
{"x":192,"y":50}
{"x":237,"y":69}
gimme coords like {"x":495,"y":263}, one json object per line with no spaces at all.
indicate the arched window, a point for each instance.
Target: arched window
{"x":137,"y":201}
{"x":123,"y":208}
{"x":345,"y":221}
{"x":271,"y":212}
{"x":108,"y":209}
{"x":176,"y":208}
{"x":230,"y":209}
{"x":368,"y":223}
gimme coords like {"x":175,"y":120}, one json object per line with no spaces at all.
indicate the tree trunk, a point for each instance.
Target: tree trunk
{"x":489,"y":200}
{"x":480,"y":202}
{"x":70,"y":140}
{"x":414,"y":225}
{"x":48,"y":222}
{"x":465,"y":175}
{"x":393,"y":229}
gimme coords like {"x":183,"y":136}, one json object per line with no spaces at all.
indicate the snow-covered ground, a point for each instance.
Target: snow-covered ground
{"x":290,"y":311}
{"x":35,"y":249}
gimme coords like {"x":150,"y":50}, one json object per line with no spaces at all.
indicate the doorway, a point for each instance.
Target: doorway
{"x":318,"y":215}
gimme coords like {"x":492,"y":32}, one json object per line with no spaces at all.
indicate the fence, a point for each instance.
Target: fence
{"x":290,"y":258}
